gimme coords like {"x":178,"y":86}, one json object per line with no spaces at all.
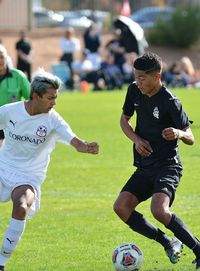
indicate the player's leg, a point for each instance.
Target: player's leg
{"x":22,"y":197}
{"x":160,"y":210}
{"x":125,"y":205}
{"x":181,"y":231}
{"x":162,"y":199}
{"x":135,"y":191}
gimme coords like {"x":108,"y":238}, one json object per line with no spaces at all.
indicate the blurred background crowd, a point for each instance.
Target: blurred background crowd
{"x":93,"y":44}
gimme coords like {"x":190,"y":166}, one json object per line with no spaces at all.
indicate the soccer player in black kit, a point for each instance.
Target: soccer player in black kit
{"x":161,"y":123}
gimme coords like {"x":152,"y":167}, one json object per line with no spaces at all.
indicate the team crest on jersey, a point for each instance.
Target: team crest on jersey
{"x":41,"y":131}
{"x":156,"y":112}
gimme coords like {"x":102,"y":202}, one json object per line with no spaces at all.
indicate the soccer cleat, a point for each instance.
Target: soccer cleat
{"x":1,"y":268}
{"x":173,"y":250}
{"x":197,"y":262}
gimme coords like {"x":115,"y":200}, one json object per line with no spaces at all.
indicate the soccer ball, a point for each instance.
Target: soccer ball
{"x":127,"y":257}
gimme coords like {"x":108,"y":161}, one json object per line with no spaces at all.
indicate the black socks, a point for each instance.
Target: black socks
{"x":139,"y":224}
{"x":180,"y":230}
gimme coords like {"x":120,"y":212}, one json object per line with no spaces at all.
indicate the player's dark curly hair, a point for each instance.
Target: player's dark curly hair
{"x":148,"y":62}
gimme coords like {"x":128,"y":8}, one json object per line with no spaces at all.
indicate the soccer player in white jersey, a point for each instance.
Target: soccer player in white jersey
{"x":31,"y":129}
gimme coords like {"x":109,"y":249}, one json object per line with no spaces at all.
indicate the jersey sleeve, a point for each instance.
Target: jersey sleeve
{"x":65,"y":134}
{"x":128,"y":107}
{"x":62,"y":129}
{"x":178,"y":114}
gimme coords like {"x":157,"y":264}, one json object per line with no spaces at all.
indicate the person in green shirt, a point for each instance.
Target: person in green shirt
{"x":14,"y":84}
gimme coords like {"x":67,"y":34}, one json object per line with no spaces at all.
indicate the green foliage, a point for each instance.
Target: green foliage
{"x":182,"y":30}
{"x":76,"y":228}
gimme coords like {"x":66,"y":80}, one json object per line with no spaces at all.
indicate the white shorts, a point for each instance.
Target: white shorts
{"x":10,"y":180}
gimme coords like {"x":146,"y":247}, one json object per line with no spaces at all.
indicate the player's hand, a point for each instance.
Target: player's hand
{"x":83,"y":146}
{"x":143,"y":147}
{"x":92,"y":148}
{"x":170,"y":133}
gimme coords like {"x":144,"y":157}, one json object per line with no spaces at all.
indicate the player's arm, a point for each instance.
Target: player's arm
{"x":85,"y":147}
{"x":24,"y":56}
{"x":142,"y":146}
{"x":65,"y":135}
{"x":127,"y":127}
{"x":21,"y":54}
{"x":185,"y":135}
{"x":180,"y":119}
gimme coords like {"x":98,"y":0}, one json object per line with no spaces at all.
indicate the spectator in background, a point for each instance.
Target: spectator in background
{"x":85,"y":71}
{"x":92,"y":42}
{"x":128,"y":74}
{"x":111,"y":73}
{"x":69,"y":45}
{"x":164,"y":70}
{"x":13,"y":84}
{"x":24,"y":61}
{"x":116,"y":47}
{"x":84,"y":68}
{"x":176,"y":77}
{"x":84,"y":65}
{"x":188,"y":68}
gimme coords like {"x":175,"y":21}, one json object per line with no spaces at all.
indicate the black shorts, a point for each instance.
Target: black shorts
{"x":143,"y":184}
{"x":1,"y":134}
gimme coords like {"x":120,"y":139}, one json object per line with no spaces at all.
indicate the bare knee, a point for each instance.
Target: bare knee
{"x":163,"y":215}
{"x":160,"y":208}
{"x":157,"y":212}
{"x":125,"y":205}
{"x":19,"y":211}
{"x":22,"y":197}
{"x":119,"y":208}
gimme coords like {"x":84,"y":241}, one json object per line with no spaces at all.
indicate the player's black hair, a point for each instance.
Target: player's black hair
{"x":148,"y":62}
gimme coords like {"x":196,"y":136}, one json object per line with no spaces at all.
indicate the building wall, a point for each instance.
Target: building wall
{"x":14,"y":15}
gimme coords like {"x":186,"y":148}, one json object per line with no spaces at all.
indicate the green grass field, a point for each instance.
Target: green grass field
{"x":76,"y":228}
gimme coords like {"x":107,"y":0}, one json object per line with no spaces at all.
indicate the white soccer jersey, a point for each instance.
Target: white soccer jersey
{"x":29,"y":140}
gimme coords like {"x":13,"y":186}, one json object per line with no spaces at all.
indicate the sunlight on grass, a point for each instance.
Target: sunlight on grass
{"x":76,"y":229}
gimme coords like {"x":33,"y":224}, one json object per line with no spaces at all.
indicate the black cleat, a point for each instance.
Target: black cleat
{"x":1,"y":268}
{"x":197,"y":262}
{"x":173,"y":250}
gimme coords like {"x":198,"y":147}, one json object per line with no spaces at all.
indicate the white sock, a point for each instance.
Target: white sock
{"x":11,"y":239}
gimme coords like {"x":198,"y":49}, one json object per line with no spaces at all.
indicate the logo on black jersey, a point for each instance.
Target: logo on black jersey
{"x":41,"y":131}
{"x":156,"y":112}
{"x":12,"y":122}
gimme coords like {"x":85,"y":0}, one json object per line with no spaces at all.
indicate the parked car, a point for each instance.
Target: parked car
{"x":83,"y":18}
{"x":74,"y":19}
{"x":46,"y":18}
{"x":148,"y":16}
{"x":98,"y":16}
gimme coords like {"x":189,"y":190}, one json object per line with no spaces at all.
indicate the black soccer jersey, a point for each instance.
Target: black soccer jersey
{"x":154,"y":114}
{"x":25,"y":47}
